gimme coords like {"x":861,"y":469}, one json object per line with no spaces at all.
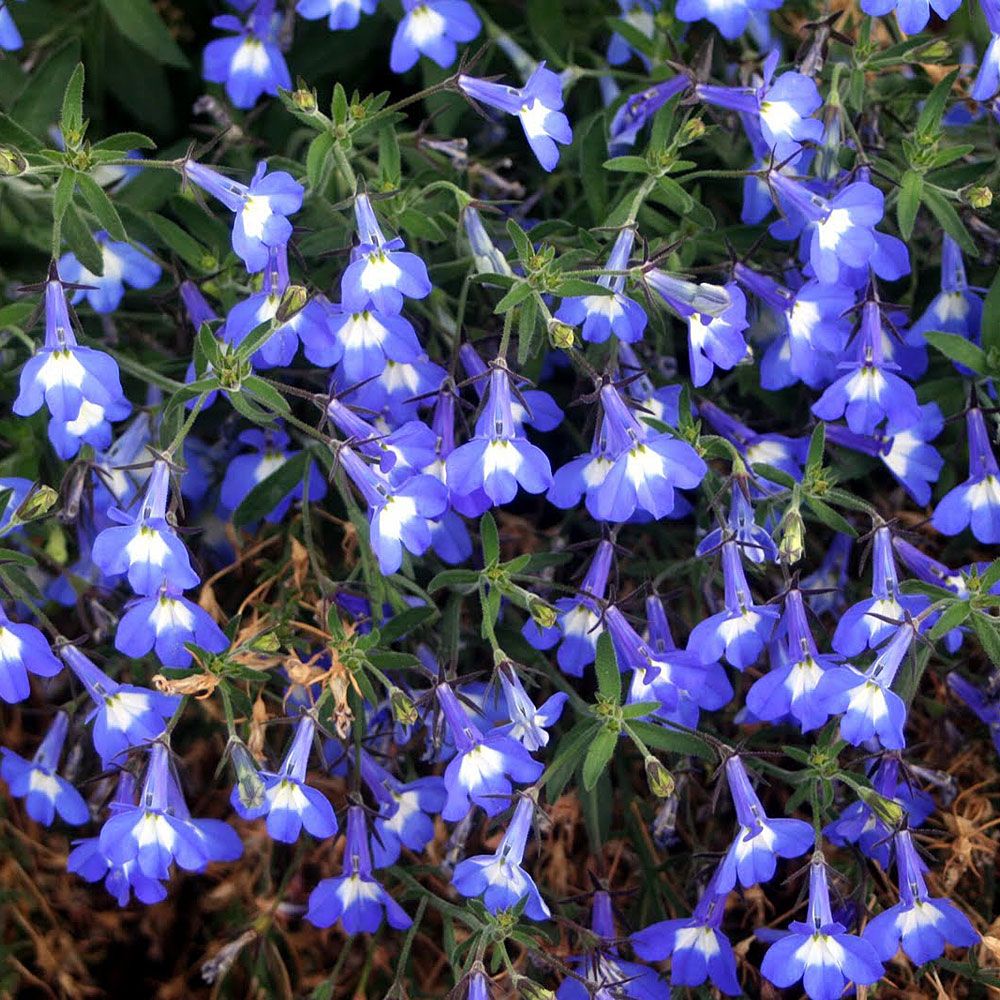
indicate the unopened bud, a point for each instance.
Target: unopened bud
{"x":694,"y":128}
{"x":936,"y":51}
{"x":304,"y":99}
{"x":12,"y":162}
{"x":544,"y":615}
{"x":792,"y":544}
{"x":528,"y":989}
{"x":266,"y":643}
{"x":249,"y":785}
{"x":561,"y":335}
{"x":293,"y":301}
{"x":660,"y":780}
{"x":403,"y":709}
{"x":978,"y":196}
{"x":36,"y":504}
{"x":887,"y":810}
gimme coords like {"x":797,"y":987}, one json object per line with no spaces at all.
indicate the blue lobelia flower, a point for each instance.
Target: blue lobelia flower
{"x":397,"y":514}
{"x":870,"y":392}
{"x":88,"y":861}
{"x":696,"y":946}
{"x":23,"y":650}
{"x":381,"y":273}
{"x":578,"y":625}
{"x":812,"y":329}
{"x":538,"y":104}
{"x":271,"y":452}
{"x":975,"y":502}
{"x":144,"y":545}
{"x":630,"y":118}
{"x":646,"y":466}
{"x":124,"y":264}
{"x":10,"y":37}
{"x":356,"y":897}
{"x":640,"y":15}
{"x":250,"y":63}
{"x":662,"y":403}
{"x":499,"y":458}
{"x":860,"y":824}
{"x":165,"y":622}
{"x":124,"y":715}
{"x":605,"y":973}
{"x":309,"y":324}
{"x":819,"y":951}
{"x":741,"y":629}
{"x":731,"y":17}
{"x":837,"y":233}
{"x":955,"y":309}
{"x":987,"y":82}
{"x":432,"y":28}
{"x":528,"y":724}
{"x":863,"y":626}
{"x":45,"y":792}
{"x":985,"y":703}
{"x":760,"y":841}
{"x":341,"y":15}
{"x":261,"y":210}
{"x":484,"y":765}
{"x":398,"y":393}
{"x":922,"y":924}
{"x":499,"y":877}
{"x":870,"y":709}
{"x":603,"y":315}
{"x":406,"y":811}
{"x":66,"y":377}
{"x":755,"y":542}
{"x":160,"y":831}
{"x":912,"y":15}
{"x":289,"y":803}
{"x":908,"y":455}
{"x":790,"y":686}
{"x":363,"y":342}
{"x":781,"y":108}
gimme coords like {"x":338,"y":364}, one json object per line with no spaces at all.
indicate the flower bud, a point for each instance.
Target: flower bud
{"x":266,"y":643}
{"x":978,"y":196}
{"x":403,"y":710}
{"x":304,"y":99}
{"x":36,"y":504}
{"x":561,"y":335}
{"x":12,"y":162}
{"x":793,"y":537}
{"x":694,"y":128}
{"x":293,"y":301}
{"x":544,"y":615}
{"x":528,"y":989}
{"x":661,"y":781}
{"x":890,"y":812}
{"x":249,"y":784}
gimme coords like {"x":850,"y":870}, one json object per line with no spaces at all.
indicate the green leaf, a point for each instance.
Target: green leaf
{"x":266,"y":394}
{"x":122,"y":142}
{"x":13,"y":556}
{"x":658,"y":737}
{"x":908,"y":204}
{"x":773,"y":474}
{"x":100,"y":205}
{"x":830,"y":517}
{"x":462,"y":580}
{"x":814,"y":457}
{"x":609,"y":678}
{"x":338,"y":104}
{"x":527,"y":325}
{"x":15,"y":135}
{"x":989,"y":636}
{"x":406,"y":621}
{"x":957,"y":348}
{"x":945,"y":213}
{"x":674,"y":196}
{"x":520,"y":240}
{"x":519,"y":291}
{"x":63,"y":194}
{"x":577,"y":287}
{"x":71,"y":116}
{"x":929,"y":122}
{"x":628,"y":165}
{"x":490,"y":538}
{"x":181,"y":242}
{"x":79,"y":239}
{"x":991,"y":316}
{"x":599,"y":752}
{"x":269,"y":492}
{"x":388,"y":157}
{"x":950,"y":618}
{"x":138,"y":21}
{"x":567,"y":757}
{"x":593,"y":147}
{"x":246,"y":407}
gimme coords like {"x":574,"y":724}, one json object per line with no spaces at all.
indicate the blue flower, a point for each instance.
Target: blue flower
{"x":529,"y":725}
{"x":397,"y":514}
{"x":538,"y":104}
{"x":782,"y":108}
{"x":605,"y":970}
{"x":819,"y":951}
{"x":67,"y":377}
{"x":10,"y":37}
{"x":987,"y":81}
{"x":432,"y":28}
{"x":760,"y":841}
{"x":578,"y":625}
{"x":870,"y":709}
{"x":356,"y":898}
{"x":499,"y":458}
{"x":630,"y":118}
{"x":23,"y":650}
{"x":160,"y":831}
{"x":863,"y":626}
{"x":88,"y":861}
{"x":790,"y":687}
{"x":261,"y":210}
{"x":406,"y":811}
{"x":638,"y":14}
{"x":924,"y":925}
{"x":696,"y":946}
{"x":363,"y":342}
{"x":289,"y":803}
{"x":984,"y":703}
{"x":740,"y":631}
{"x":484,"y":765}
{"x":124,"y":715}
{"x":381,"y":273}
{"x":830,"y":576}
{"x":144,"y":545}
{"x":731,"y":17}
{"x":755,"y":542}
{"x":342,"y":15}
{"x":604,"y":315}
{"x":165,"y":622}
{"x":45,"y":792}
{"x":499,"y":878}
{"x":124,"y":264}
{"x":977,"y":500}
{"x":250,"y":63}
{"x":912,"y":15}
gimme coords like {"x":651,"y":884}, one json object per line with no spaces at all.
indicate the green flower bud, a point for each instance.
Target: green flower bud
{"x":249,"y":784}
{"x":266,"y":643}
{"x":403,"y":710}
{"x":304,"y":99}
{"x":36,"y":504}
{"x":544,"y":615}
{"x":292,"y":302}
{"x":978,"y":196}
{"x":890,"y":812}
{"x":792,"y":544}
{"x":12,"y":162}
{"x":661,"y":781}
{"x":528,"y":989}
{"x":561,"y":335}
